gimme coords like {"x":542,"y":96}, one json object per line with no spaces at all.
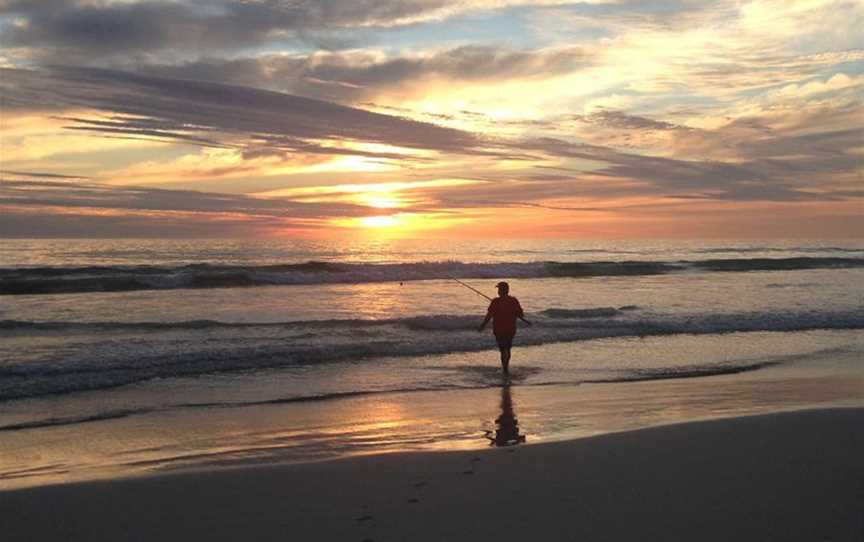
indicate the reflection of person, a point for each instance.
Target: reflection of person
{"x":506,"y":425}
{"x":503,"y":311}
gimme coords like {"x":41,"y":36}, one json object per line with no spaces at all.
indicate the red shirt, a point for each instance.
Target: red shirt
{"x":505,"y":310}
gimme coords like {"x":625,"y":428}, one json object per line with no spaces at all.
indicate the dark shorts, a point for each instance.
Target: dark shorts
{"x":505,"y":342}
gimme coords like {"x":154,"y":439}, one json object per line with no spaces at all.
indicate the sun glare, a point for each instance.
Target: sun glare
{"x":382,"y":221}
{"x":399,"y":224}
{"x":379,"y":201}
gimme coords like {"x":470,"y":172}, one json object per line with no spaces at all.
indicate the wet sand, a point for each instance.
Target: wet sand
{"x":789,"y":476}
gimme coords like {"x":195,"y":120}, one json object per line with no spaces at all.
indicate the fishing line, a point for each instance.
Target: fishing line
{"x":475,"y":290}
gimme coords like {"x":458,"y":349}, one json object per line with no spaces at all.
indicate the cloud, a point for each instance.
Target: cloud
{"x":706,"y":53}
{"x":354,"y":76}
{"x":40,"y":207}
{"x":623,"y":121}
{"x":97,"y":195}
{"x":776,"y":156}
{"x":31,"y":175}
{"x":80,"y":30}
{"x":839,"y":81}
{"x":105,"y":30}
{"x":800,"y":134}
{"x":578,"y":18}
{"x":211,"y":114}
{"x":782,"y":166}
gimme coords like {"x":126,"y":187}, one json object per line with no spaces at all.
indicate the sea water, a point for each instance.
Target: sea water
{"x":94,"y":330}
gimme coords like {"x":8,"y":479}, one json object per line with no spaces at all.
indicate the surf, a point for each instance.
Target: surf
{"x":123,"y":278}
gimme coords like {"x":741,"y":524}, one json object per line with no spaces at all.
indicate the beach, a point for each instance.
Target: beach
{"x":666,"y":391}
{"x":791,"y":476}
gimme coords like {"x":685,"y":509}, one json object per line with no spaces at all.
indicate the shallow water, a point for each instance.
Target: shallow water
{"x":531,"y":409}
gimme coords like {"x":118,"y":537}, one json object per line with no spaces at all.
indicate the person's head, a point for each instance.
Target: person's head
{"x":503,"y":289}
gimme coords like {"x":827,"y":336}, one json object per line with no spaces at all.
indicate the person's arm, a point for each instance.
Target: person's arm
{"x":521,"y":314}
{"x":488,"y":317}
{"x":485,"y":321}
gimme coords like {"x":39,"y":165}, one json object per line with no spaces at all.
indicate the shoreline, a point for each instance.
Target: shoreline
{"x":445,"y":420}
{"x":784,"y":476}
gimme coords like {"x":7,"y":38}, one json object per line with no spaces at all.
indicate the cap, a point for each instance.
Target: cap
{"x":502,"y":285}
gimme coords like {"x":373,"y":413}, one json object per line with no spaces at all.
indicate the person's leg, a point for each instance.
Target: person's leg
{"x":505,"y":360}
{"x":505,"y":343}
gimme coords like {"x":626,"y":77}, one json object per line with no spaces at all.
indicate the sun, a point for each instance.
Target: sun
{"x":399,"y":224}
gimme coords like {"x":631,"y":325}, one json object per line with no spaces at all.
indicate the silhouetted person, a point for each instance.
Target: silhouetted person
{"x":504,"y":311}
{"x":506,"y":425}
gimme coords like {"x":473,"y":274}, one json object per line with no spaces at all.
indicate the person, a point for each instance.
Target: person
{"x":504,"y":311}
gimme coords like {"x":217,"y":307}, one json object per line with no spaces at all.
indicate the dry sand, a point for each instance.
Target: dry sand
{"x":791,"y":476}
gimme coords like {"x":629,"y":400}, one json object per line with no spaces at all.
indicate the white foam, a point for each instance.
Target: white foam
{"x":112,"y":356}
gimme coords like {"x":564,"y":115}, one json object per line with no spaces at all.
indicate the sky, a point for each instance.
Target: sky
{"x":432,"y":119}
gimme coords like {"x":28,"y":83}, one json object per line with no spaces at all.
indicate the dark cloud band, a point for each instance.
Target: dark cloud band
{"x":213,"y":114}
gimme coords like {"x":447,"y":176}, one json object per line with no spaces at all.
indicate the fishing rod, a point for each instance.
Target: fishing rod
{"x":473,"y":289}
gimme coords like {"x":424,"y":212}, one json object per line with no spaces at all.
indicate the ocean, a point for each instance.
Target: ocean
{"x":123,"y":355}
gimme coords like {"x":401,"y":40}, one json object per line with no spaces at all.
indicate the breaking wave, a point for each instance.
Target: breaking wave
{"x":64,"y":280}
{"x":103,"y":354}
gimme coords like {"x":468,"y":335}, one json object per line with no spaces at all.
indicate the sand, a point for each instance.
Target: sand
{"x":789,"y":476}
